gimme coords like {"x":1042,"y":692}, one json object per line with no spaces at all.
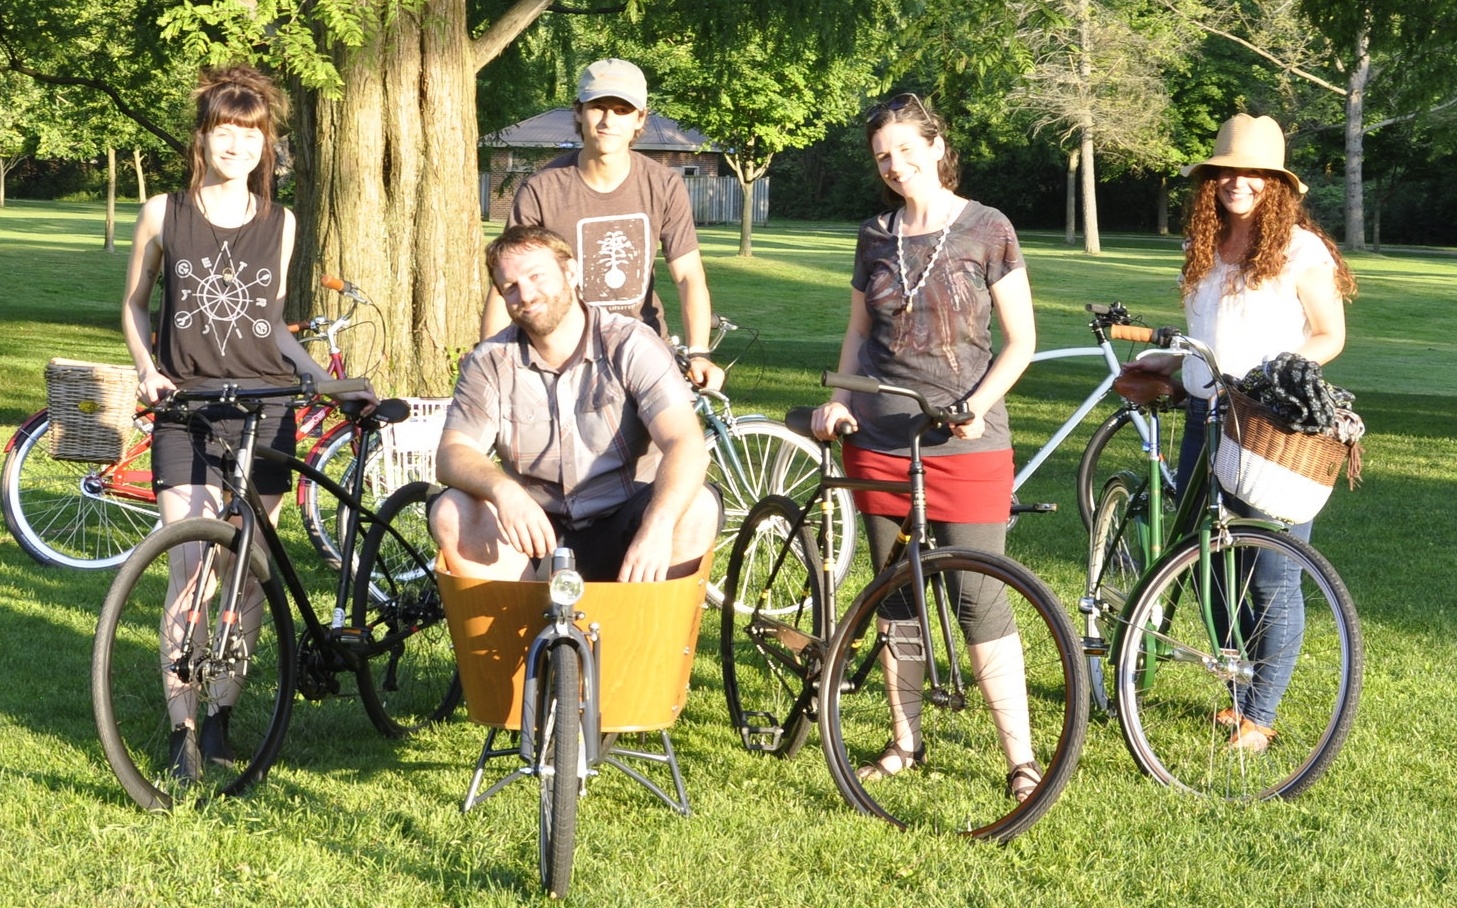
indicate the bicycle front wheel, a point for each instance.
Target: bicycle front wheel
{"x":233,"y":682}
{"x":760,"y":458}
{"x":409,"y":681}
{"x":558,"y":760}
{"x":1116,"y":555}
{"x":72,"y":514}
{"x":1182,"y":661}
{"x":771,"y":625}
{"x":1026,"y":688}
{"x":1115,"y":447}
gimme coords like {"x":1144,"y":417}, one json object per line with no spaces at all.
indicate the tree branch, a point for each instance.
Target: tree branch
{"x":1250,"y":46}
{"x":506,"y":29}
{"x":126,"y":109}
{"x":587,"y":11}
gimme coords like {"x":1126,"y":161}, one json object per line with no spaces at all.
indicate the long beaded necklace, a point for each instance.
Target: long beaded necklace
{"x":900,"y":259}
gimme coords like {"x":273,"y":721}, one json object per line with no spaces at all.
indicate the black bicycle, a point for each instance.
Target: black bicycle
{"x":228,"y":662}
{"x":788,"y":662}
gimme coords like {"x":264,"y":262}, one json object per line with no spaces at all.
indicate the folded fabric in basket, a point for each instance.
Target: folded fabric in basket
{"x":1294,"y":388}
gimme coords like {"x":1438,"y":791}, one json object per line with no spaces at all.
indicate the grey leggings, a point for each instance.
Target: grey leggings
{"x":981,"y":604}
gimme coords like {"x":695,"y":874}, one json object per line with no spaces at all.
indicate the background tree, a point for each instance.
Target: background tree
{"x":1099,"y":82}
{"x":756,"y":100}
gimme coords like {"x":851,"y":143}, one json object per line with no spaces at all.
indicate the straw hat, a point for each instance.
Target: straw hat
{"x":1250,"y":143}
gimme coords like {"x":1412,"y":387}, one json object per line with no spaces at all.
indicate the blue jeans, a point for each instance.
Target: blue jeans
{"x":1272,"y":616}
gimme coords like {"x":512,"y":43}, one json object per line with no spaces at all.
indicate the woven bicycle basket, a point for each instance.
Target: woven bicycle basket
{"x":91,"y":408}
{"x":1284,"y":473}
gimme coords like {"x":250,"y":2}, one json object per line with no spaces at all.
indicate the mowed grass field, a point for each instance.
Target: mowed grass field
{"x":348,"y":819}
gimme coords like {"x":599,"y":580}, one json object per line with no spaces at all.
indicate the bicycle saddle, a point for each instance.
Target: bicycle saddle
{"x":1143,"y":388}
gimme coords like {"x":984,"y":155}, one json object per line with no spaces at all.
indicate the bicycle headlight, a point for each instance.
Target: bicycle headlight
{"x":566,"y":587}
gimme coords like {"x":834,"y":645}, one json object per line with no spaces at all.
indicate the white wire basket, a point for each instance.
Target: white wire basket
{"x":407,"y":449}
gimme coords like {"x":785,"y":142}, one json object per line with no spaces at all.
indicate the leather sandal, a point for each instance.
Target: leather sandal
{"x":1251,"y":737}
{"x":878,"y":771}
{"x":1023,"y":780}
{"x":1228,"y":717}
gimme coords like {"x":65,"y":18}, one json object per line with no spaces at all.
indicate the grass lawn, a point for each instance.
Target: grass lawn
{"x":348,"y":819}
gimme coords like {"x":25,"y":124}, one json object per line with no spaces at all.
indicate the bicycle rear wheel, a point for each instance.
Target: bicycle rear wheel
{"x":558,"y":759}
{"x":72,"y":514}
{"x":1116,"y":548}
{"x":139,"y":695}
{"x":771,"y":626}
{"x":1115,"y":447}
{"x":962,"y":785}
{"x":412,"y":681}
{"x":1173,"y":681}
{"x":761,"y":458}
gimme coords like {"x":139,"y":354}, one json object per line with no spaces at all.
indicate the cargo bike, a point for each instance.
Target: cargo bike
{"x":567,"y":666}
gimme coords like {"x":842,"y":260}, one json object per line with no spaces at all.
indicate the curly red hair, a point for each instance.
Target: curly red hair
{"x":1280,"y":211}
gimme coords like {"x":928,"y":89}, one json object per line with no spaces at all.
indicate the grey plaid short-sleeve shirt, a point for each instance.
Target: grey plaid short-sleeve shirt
{"x":575,"y":438}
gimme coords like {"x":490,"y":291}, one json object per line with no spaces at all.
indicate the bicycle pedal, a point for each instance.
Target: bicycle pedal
{"x":352,"y":636}
{"x":1095,"y":646}
{"x":764,"y":737}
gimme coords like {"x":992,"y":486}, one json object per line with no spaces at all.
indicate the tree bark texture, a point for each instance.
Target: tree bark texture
{"x":387,"y":198}
{"x":1359,"y":75}
{"x":1070,"y":214}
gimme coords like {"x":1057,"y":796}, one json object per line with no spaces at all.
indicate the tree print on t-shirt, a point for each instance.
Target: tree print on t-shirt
{"x":617,"y":255}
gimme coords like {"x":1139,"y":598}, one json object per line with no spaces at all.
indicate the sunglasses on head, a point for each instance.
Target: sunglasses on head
{"x":899,"y":102}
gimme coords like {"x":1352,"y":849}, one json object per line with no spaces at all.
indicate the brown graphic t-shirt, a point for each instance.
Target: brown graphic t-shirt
{"x":941,"y":345}
{"x":616,"y":234}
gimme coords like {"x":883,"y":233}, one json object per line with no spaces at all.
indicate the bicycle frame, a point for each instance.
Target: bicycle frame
{"x":247,"y":510}
{"x":1105,"y":352}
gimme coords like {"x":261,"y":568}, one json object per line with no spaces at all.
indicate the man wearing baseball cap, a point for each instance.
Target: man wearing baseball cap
{"x":615,"y":207}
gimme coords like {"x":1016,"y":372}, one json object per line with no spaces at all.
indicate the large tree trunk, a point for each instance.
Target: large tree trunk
{"x":387,"y":199}
{"x":1359,"y":75}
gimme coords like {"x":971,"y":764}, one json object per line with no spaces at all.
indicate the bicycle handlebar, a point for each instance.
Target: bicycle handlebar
{"x":306,"y":387}
{"x":867,"y":385}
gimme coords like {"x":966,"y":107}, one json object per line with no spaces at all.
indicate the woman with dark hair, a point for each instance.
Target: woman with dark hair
{"x":221,"y":248}
{"x":1260,"y":278}
{"x":929,"y":274}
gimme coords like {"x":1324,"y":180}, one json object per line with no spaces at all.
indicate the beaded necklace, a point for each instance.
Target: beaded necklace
{"x":900,"y":259}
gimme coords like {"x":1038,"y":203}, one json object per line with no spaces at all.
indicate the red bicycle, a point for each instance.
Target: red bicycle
{"x":87,"y":515}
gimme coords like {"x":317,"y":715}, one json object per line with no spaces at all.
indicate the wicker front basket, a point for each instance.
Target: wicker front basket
{"x":1284,"y":473}
{"x":91,"y":407}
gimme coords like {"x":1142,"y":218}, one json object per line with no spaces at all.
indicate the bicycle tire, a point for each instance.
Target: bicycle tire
{"x":961,"y":786}
{"x":770,"y":643}
{"x":558,"y":753}
{"x":1117,"y":434}
{"x":65,"y":513}
{"x":1167,"y":704}
{"x":127,"y":678}
{"x":1116,"y":548}
{"x":324,"y":515}
{"x":412,"y":683}
{"x":774,"y":461}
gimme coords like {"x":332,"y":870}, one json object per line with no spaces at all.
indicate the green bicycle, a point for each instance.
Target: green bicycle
{"x":1172,"y":606}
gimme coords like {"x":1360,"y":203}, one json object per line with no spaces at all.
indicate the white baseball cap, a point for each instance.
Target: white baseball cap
{"x":613,"y":78}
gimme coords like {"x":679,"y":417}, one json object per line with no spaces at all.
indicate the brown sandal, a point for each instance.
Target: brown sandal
{"x":878,"y":771}
{"x":1251,"y":737}
{"x":1023,"y":780}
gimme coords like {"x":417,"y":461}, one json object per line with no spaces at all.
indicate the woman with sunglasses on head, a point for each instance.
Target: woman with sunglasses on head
{"x":1260,"y":278}
{"x":929,"y":274}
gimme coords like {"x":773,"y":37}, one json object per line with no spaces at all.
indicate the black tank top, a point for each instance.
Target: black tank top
{"x":220,"y":306}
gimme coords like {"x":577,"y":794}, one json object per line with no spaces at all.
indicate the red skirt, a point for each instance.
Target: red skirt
{"x":960,"y":488}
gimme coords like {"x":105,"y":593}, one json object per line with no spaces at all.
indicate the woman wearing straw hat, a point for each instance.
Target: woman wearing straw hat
{"x":1260,"y":278}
